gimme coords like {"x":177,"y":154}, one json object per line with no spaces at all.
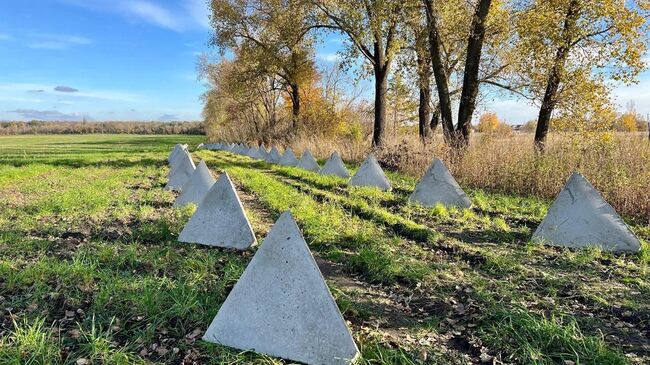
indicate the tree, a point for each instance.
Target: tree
{"x":460,"y":135}
{"x":488,"y":122}
{"x":372,"y":30}
{"x":629,"y":121}
{"x":237,"y":105}
{"x":566,"y":45}
{"x":467,"y":41}
{"x":273,"y":36}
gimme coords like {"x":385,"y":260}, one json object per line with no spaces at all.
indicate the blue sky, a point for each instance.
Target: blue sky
{"x":136,"y":60}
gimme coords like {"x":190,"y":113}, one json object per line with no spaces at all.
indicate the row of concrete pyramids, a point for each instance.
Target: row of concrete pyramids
{"x":298,"y":319}
{"x":333,"y":166}
{"x":281,"y":305}
{"x":578,"y":217}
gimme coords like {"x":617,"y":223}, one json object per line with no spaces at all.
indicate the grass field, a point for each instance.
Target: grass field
{"x":91,"y":273}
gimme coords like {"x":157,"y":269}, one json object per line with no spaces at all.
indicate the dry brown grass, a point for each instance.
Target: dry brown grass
{"x":619,"y":166}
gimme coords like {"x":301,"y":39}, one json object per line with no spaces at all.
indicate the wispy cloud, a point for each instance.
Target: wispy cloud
{"x":22,"y":100}
{"x":329,"y":57}
{"x":185,"y":15}
{"x":58,"y":41}
{"x":513,"y":110}
{"x":44,"y":89}
{"x":47,"y":114}
{"x":153,"y":13}
{"x":198,"y":10}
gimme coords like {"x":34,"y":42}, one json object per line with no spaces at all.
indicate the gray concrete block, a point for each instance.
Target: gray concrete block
{"x":335,"y":166}
{"x":281,"y":305}
{"x":258,"y":154}
{"x":580,"y":217}
{"x":437,"y":186}
{"x":176,"y":151}
{"x":181,"y":171}
{"x":219,"y":219}
{"x":263,"y":152}
{"x":173,"y":153}
{"x":288,"y":159}
{"x":196,"y":187}
{"x":252,"y":152}
{"x":308,"y":162}
{"x":370,"y":174}
{"x":274,"y":156}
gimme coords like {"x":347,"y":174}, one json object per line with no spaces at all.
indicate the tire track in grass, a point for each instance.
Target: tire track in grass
{"x":347,"y":238}
{"x":366,"y":212}
{"x":379,"y":315}
{"x":383,"y":307}
{"x":492,"y":257}
{"x":278,"y":196}
{"x":418,"y":222}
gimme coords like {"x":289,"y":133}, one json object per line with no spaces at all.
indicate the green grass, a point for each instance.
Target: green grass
{"x":90,"y":267}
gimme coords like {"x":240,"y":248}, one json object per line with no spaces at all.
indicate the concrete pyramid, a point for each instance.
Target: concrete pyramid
{"x":219,"y":219}
{"x":175,"y":153}
{"x":258,"y":154}
{"x":181,"y":171}
{"x":282,"y":307}
{"x":370,"y":174}
{"x":274,"y":156}
{"x":580,"y":217}
{"x":438,"y":186}
{"x":263,"y":152}
{"x":308,"y":162}
{"x":177,"y":158}
{"x":196,"y":187}
{"x":334,"y":166}
{"x":288,"y":159}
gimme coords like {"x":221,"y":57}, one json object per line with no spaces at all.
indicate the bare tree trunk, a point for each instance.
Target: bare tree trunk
{"x":470,"y":79}
{"x":442,"y":85}
{"x":381,"y":88}
{"x":424,"y":84}
{"x":435,"y":119}
{"x":554,"y":78}
{"x":295,"y":106}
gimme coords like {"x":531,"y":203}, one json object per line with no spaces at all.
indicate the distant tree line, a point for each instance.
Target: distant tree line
{"x":44,"y":127}
{"x":432,"y":63}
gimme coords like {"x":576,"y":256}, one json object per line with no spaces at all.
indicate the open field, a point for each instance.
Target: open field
{"x":90,"y":267}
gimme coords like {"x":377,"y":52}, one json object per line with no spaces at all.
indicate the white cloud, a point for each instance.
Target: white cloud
{"x":511,"y":110}
{"x":23,"y":100}
{"x":47,"y":114}
{"x":638,"y":93}
{"x":185,"y":15}
{"x":198,"y":10}
{"x":329,"y":57}
{"x":153,"y":14}
{"x":57,"y":41}
{"x":10,"y":89}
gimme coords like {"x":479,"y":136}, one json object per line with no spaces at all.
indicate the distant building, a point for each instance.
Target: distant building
{"x":517,"y":127}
